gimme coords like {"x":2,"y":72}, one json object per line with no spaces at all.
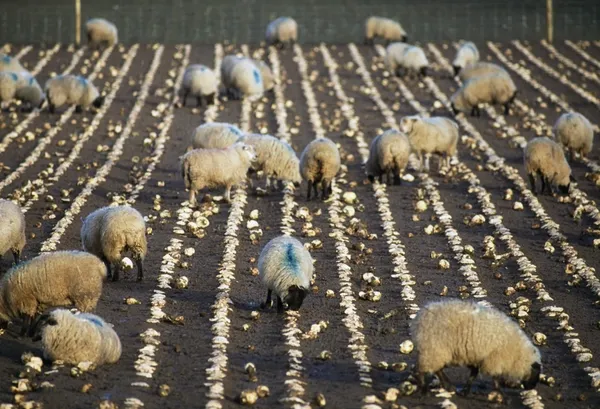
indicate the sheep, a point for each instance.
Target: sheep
{"x":8,"y":86}
{"x":22,"y":86}
{"x":437,"y":135}
{"x":12,"y":229}
{"x":9,"y":63}
{"x":414,"y":60}
{"x":74,"y":338}
{"x":54,"y":279}
{"x":480,"y":69}
{"x":101,"y":32}
{"x":266,"y":73}
{"x":201,"y":82}
{"x":245,"y":79}
{"x":108,"y":232}
{"x":227,"y":64}
{"x":282,"y":30}
{"x":319,"y":163}
{"x":385,"y":28}
{"x":466,"y":55}
{"x":491,"y":89}
{"x":575,"y":132}
{"x":463,"y":333}
{"x":216,"y":135}
{"x":393,"y":57}
{"x":388,"y":155}
{"x":546,"y":158}
{"x":72,"y":89}
{"x":276,"y":158}
{"x":202,"y":168}
{"x":286,"y":268}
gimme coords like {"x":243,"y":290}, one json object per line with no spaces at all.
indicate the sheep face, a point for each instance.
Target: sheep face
{"x":534,"y":376}
{"x":294,"y":298}
{"x":250,"y":152}
{"x":98,"y":102}
{"x":407,"y":123}
{"x":457,"y":69}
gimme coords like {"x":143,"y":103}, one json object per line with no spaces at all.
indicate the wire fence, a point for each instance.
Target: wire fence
{"x":332,"y":21}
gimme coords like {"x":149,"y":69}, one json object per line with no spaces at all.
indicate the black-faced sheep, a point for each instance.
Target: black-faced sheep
{"x":319,"y":163}
{"x":545,"y":158}
{"x":466,"y":55}
{"x":286,"y":268}
{"x":72,"y":89}
{"x":463,"y":333}
{"x":388,"y":155}
{"x":109,"y":232}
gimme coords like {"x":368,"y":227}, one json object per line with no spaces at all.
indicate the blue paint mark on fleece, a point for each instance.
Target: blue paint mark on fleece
{"x":95,"y":321}
{"x":31,"y":80}
{"x":257,"y":78}
{"x":235,"y":130}
{"x":6,"y":59}
{"x":82,"y":80}
{"x":14,"y":76}
{"x":291,"y":262}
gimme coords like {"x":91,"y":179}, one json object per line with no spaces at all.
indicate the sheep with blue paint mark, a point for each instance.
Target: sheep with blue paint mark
{"x":74,"y":338}
{"x":286,"y":268}
{"x":72,"y":89}
{"x":10,"y":63}
{"x":216,"y":135}
{"x":466,"y":55}
{"x":8,"y":86}
{"x":22,"y":86}
{"x":200,"y":82}
{"x":246,"y":80}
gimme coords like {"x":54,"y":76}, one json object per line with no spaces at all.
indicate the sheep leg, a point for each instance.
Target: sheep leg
{"x":427,"y":157}
{"x":280,"y":308}
{"x":381,"y":178}
{"x":269,"y":302}
{"x":544,"y":187}
{"x":78,"y":109}
{"x":27,"y":319}
{"x":532,"y":183}
{"x":210,"y":99}
{"x":422,"y":384}
{"x":507,"y":108}
{"x":17,"y":255}
{"x":310,"y":184}
{"x":397,"y":179}
{"x":324,"y":189}
{"x":140,"y":266}
{"x":115,"y":274}
{"x":51,"y":107}
{"x":472,"y":377}
{"x":572,"y":155}
{"x":192,"y":198}
{"x":390,"y":177}
{"x":444,"y":381}
{"x":198,"y":101}
{"x":184,"y":99}
{"x":228,"y":194}
{"x":550,"y":187}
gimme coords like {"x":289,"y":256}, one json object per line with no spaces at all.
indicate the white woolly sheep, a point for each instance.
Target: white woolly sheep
{"x":10,"y":63}
{"x":286,"y":268}
{"x":54,"y":279}
{"x":546,"y":158}
{"x":227,"y":64}
{"x":480,"y":69}
{"x":490,"y":89}
{"x":463,"y":333}
{"x":388,"y":155}
{"x":200,"y":82}
{"x":466,"y":55}
{"x":22,"y":86}
{"x":210,"y":168}
{"x":575,"y":132}
{"x":12,"y":229}
{"x":266,"y":73}
{"x":8,"y":86}
{"x":72,"y":89}
{"x":282,"y":30}
{"x":101,"y":32}
{"x":245,"y":80}
{"x":276,"y":158}
{"x":319,"y":163}
{"x":414,"y":60}
{"x":109,"y":232}
{"x":386,"y":28}
{"x":216,"y":135}
{"x":393,"y":57}
{"x":74,"y":338}
{"x":435,"y":135}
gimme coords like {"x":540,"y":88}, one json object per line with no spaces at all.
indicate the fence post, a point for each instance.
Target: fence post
{"x":77,"y":22}
{"x":549,"y":20}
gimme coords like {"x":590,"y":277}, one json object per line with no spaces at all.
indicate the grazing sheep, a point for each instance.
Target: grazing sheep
{"x":437,"y":135}
{"x":109,"y":232}
{"x":245,"y":80}
{"x":72,"y":89}
{"x":266,"y":73}
{"x":54,"y":279}
{"x":385,"y":28}
{"x":201,"y":82}
{"x":202,"y":168}
{"x":463,"y":333}
{"x":282,"y":30}
{"x":22,"y":86}
{"x":286,"y":268}
{"x":480,"y":69}
{"x":319,"y":163}
{"x":491,"y":89}
{"x":74,"y":338}
{"x":216,"y":135}
{"x":546,"y":158}
{"x":414,"y":60}
{"x":575,"y":132}
{"x":101,"y":32}
{"x":276,"y":158}
{"x":227,"y":64}
{"x":388,"y":155}
{"x":12,"y":229}
{"x":393,"y":57}
{"x":9,"y":63}
{"x":466,"y":55}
